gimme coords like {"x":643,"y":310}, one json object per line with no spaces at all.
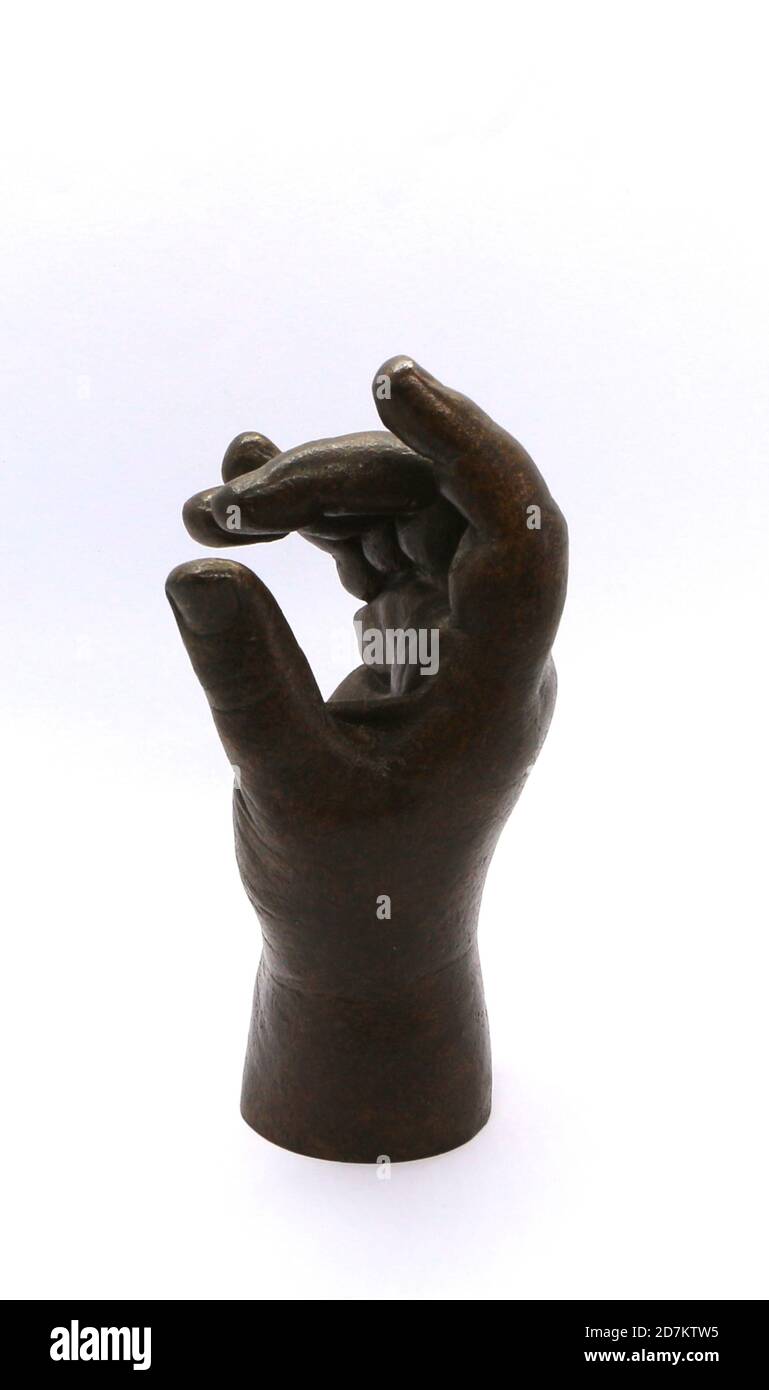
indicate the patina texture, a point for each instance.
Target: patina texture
{"x":365,"y":824}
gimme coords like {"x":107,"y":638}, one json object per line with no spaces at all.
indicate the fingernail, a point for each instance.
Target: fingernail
{"x":206,"y":604}
{"x":247,"y":492}
{"x":249,"y":485}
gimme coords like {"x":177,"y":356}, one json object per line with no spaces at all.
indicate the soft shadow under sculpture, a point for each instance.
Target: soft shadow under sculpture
{"x":369,"y":1036}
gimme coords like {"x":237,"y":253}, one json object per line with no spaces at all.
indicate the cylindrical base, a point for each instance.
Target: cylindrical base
{"x":356,"y":1080}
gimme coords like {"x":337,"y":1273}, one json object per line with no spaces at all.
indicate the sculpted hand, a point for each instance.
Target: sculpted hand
{"x":364,"y":825}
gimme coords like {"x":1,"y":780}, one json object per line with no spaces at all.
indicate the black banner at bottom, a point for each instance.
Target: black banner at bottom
{"x":92,"y":1340}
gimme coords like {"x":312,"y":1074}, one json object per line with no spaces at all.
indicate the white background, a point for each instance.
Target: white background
{"x":219,"y":218}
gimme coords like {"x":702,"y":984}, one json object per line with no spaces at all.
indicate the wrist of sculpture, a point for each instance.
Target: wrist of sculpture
{"x":399,"y":1073}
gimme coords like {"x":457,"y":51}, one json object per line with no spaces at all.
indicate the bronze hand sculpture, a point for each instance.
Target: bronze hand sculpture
{"x":364,"y":825}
